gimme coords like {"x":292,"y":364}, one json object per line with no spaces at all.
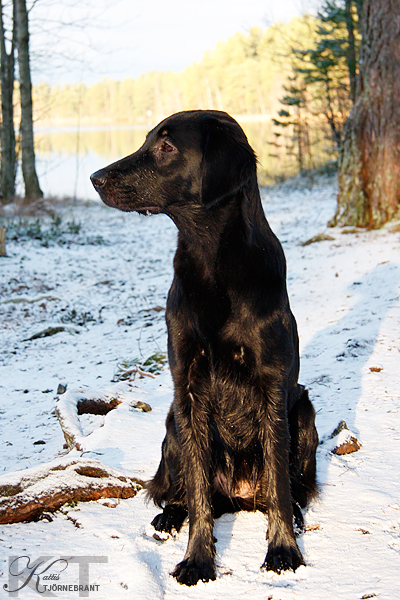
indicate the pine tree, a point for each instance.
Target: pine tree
{"x":327,"y":71}
{"x":369,"y":170}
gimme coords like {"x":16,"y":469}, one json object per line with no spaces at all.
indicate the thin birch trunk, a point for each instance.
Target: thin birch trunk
{"x":32,"y":188}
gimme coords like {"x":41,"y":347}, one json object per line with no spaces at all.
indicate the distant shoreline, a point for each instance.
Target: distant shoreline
{"x":67,"y":125}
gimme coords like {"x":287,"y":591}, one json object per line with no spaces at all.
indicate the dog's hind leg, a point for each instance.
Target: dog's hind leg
{"x":166,"y":488}
{"x":303,"y":447}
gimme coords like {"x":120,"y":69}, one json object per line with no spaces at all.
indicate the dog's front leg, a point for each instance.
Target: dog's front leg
{"x":195,"y":440}
{"x":283,"y":552}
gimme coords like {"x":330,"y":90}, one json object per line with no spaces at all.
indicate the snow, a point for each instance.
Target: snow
{"x":345,"y":296}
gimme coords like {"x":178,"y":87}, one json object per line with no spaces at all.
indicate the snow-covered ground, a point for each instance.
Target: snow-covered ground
{"x":105,"y":286}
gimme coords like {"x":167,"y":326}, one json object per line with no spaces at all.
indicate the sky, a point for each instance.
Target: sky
{"x":88,"y":40}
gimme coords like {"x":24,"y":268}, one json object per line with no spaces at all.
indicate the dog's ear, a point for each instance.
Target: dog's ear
{"x":228,"y":161}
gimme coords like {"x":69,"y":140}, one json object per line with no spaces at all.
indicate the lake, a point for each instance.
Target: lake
{"x":66,"y":156}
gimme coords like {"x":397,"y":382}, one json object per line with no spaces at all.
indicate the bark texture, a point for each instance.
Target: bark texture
{"x":32,"y":188}
{"x":8,"y":156}
{"x":27,"y":494}
{"x":369,"y":169}
{"x":351,"y":54}
{"x":3,"y":241}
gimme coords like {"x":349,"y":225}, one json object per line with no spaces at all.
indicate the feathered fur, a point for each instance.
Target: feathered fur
{"x":240,"y":433}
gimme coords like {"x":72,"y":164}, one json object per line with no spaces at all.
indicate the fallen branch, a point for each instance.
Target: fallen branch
{"x":154,"y":308}
{"x":320,"y":237}
{"x":26,"y":495}
{"x":51,"y":331}
{"x":84,"y":401}
{"x":149,"y":367}
{"x":26,"y":300}
{"x":136,"y":371}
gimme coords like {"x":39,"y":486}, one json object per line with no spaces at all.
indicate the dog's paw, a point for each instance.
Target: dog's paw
{"x":189,"y":572}
{"x":172,"y":517}
{"x":283,"y":558}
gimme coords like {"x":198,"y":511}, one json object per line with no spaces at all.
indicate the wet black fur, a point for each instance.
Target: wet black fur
{"x":240,"y":431}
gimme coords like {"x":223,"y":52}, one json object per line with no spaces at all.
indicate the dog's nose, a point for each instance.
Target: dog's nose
{"x":98,"y":179}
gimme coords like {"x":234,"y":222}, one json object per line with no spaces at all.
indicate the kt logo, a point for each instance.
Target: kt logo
{"x":43,"y":575}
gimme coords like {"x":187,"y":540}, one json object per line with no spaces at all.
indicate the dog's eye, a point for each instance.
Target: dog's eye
{"x":165,"y":147}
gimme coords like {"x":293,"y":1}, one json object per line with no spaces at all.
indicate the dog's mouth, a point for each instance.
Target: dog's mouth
{"x":148,"y":210}
{"x":127,"y":206}
{"x":117,"y":200}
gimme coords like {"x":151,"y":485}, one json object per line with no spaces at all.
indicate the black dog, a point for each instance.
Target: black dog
{"x":240,"y":431}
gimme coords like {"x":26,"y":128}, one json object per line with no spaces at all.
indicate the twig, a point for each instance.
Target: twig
{"x":124,"y":374}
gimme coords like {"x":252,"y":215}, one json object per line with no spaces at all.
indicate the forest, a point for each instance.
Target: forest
{"x":297,"y":74}
{"x":301,"y":78}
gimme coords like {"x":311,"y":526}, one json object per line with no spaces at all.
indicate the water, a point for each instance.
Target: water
{"x":66,"y":156}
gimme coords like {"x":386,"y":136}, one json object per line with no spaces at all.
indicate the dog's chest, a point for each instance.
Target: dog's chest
{"x":222,"y":381}
{"x":216,"y":350}
{"x":238,"y":409}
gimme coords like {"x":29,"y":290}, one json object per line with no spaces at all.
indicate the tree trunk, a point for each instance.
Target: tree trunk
{"x":351,"y":53}
{"x":3,"y":232}
{"x":369,"y":169}
{"x":32,"y":188}
{"x":27,"y":494}
{"x":8,"y":157}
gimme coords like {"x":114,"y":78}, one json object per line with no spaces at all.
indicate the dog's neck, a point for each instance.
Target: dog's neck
{"x":205,"y":226}
{"x":206,"y":234}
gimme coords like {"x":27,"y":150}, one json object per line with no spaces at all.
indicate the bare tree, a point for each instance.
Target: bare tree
{"x":7,"y":76}
{"x":32,"y":188}
{"x":369,"y":170}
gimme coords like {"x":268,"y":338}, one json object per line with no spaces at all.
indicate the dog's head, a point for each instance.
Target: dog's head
{"x":195,"y":158}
